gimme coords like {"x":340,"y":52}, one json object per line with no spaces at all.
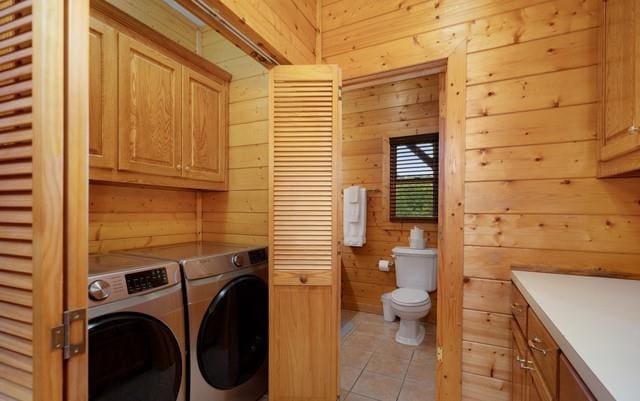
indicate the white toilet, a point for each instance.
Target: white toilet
{"x":416,"y":275}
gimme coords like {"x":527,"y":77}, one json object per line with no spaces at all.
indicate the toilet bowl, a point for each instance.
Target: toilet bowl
{"x":416,"y":271}
{"x":410,"y":305}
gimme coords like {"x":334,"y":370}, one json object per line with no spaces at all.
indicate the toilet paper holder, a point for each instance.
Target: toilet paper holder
{"x":385,"y":267}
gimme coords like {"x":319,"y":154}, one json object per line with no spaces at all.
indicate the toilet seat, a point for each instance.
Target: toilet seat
{"x":410,"y":297}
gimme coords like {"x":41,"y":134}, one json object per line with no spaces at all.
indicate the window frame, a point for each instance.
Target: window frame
{"x":387,"y":139}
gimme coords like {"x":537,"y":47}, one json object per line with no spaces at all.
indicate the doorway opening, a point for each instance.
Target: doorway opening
{"x":390,"y":141}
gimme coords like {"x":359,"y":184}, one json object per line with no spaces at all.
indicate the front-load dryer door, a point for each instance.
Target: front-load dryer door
{"x":232,"y":342}
{"x":133,"y":357}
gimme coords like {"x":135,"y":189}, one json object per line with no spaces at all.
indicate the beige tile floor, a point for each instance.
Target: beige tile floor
{"x":373,"y":367}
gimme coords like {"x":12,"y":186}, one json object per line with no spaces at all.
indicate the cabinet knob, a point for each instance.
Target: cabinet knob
{"x":303,"y":278}
{"x":187,"y":168}
{"x":178,"y":167}
{"x":634,"y":129}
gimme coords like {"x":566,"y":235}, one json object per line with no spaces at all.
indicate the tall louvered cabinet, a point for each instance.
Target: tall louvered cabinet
{"x":305,"y":122}
{"x":43,"y":151}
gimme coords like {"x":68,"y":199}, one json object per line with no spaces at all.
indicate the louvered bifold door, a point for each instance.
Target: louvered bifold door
{"x":31,"y":181}
{"x":305,"y":120}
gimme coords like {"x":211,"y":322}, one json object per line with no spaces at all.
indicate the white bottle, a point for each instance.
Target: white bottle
{"x":416,"y":238}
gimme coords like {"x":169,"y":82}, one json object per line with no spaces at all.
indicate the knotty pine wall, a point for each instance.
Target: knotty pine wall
{"x":532,"y":196}
{"x":407,"y":107}
{"x":240,"y":214}
{"x":124,"y":217}
{"x":290,"y":26}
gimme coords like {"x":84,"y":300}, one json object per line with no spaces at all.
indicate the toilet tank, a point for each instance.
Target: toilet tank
{"x":416,"y":268}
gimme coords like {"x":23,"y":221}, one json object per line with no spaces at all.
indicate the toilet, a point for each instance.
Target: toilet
{"x":416,"y":275}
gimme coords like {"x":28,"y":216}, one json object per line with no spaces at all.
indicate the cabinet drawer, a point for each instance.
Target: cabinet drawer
{"x":545,"y":351}
{"x":519,"y":308}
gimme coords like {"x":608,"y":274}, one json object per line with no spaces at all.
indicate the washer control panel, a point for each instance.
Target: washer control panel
{"x":146,"y":280}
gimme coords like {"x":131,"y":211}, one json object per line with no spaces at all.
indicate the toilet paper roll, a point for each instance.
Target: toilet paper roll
{"x":383,"y":265}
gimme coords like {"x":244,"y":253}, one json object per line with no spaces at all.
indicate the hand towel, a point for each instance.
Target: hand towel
{"x":355,"y":216}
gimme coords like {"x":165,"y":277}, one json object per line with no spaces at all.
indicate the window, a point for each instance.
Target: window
{"x":413,"y":181}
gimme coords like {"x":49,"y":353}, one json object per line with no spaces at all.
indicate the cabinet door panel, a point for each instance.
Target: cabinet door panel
{"x":149,"y":115}
{"x":544,"y":349}
{"x":621,"y":79}
{"x":517,"y":372}
{"x":204,"y":119}
{"x":570,"y":385}
{"x":103,"y":99}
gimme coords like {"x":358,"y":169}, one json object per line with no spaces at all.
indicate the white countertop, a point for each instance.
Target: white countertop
{"x":596,"y":323}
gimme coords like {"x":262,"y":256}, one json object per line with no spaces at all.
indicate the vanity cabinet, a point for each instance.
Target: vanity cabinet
{"x":619,"y":142}
{"x":540,"y":372}
{"x":158,"y":112}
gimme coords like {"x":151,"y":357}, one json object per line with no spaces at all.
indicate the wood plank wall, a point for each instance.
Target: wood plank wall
{"x":407,"y":107}
{"x":124,"y":217}
{"x":240,"y":214}
{"x":532,"y":198}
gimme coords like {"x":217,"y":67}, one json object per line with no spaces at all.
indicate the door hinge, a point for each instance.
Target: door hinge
{"x":61,"y":336}
{"x":439,"y":354}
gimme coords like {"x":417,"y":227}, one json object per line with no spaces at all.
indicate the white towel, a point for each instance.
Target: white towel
{"x":352,"y":204}
{"x":355,"y":216}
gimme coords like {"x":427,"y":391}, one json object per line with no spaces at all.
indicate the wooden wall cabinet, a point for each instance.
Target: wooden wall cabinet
{"x":620,"y":81}
{"x":158,"y":115}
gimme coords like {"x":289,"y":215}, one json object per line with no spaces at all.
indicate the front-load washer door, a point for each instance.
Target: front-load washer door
{"x":232,"y":341}
{"x":133,"y":357}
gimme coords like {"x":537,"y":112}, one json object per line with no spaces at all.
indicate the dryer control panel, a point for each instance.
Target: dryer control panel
{"x":146,"y":280}
{"x":258,"y":256}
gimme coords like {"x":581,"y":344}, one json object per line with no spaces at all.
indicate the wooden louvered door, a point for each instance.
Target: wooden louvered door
{"x":305,"y":120}
{"x":33,"y":185}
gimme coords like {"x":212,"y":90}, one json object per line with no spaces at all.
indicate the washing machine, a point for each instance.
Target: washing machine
{"x":226,"y":294}
{"x":137,"y":338}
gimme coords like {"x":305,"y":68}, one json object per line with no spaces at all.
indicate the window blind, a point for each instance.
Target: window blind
{"x":413,"y":183}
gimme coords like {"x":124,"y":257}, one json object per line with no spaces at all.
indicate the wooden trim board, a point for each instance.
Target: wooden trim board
{"x":48,"y":201}
{"x":452,"y":72}
{"x":76,"y":205}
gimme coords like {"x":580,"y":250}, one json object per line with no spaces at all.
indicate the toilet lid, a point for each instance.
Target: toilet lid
{"x":409,"y":296}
